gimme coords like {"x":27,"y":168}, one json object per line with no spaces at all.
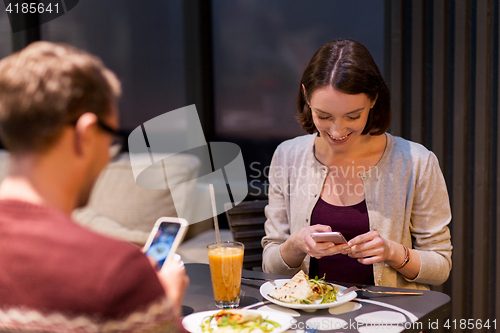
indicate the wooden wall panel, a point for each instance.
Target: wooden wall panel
{"x":480,"y":136}
{"x":417,"y":68}
{"x":458,"y":186}
{"x":394,"y":79}
{"x":447,"y":67}
{"x":438,"y":78}
{"x":495,"y":248}
{"x":492,"y":264}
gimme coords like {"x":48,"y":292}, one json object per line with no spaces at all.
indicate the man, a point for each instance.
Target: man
{"x":59,"y":120}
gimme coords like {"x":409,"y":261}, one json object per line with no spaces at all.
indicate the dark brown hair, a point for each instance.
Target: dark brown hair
{"x":47,"y":86}
{"x":347,"y":66}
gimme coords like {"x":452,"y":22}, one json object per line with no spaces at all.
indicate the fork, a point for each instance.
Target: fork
{"x":395,"y":293}
{"x":259,"y":279}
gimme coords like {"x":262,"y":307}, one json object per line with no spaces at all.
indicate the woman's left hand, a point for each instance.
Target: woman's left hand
{"x":369,"y":248}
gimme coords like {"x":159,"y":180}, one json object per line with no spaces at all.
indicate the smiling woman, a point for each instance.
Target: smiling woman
{"x":347,"y":67}
{"x":394,"y":212}
{"x":340,"y":118}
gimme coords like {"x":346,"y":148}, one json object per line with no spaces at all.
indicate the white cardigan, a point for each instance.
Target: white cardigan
{"x":405,"y":195}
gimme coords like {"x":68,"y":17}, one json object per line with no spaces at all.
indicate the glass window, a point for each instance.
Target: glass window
{"x":5,"y":35}
{"x":141,"y":41}
{"x":261,"y":49}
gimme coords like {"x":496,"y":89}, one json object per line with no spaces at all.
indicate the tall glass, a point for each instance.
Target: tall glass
{"x":226,"y":263}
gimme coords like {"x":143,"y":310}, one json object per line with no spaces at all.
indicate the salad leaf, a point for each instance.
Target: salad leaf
{"x":263,"y":324}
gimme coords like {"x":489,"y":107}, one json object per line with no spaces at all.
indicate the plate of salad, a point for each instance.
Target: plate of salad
{"x":234,"y":320}
{"x":300,"y":292}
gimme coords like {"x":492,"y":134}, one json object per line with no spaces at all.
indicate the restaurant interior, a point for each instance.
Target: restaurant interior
{"x":239,"y":62}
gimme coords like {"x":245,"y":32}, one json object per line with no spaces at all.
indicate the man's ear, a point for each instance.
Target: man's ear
{"x":84,"y":128}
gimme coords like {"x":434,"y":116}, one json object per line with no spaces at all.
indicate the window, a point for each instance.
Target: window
{"x":141,"y":41}
{"x":261,"y":49}
{"x":5,"y":35}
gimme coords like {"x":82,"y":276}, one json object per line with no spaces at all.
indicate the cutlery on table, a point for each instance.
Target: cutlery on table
{"x":256,"y":304}
{"x":393,"y":293}
{"x":259,"y":279}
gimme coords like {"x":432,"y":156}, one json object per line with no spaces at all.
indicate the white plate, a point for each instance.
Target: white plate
{"x":345,"y":308}
{"x":327,"y":323}
{"x":267,"y":288}
{"x":192,"y":323}
{"x":378,"y":329}
{"x":381,"y":318}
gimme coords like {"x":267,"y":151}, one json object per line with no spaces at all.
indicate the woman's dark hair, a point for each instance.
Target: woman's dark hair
{"x":347,"y":66}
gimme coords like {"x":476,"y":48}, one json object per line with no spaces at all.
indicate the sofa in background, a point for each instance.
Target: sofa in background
{"x":121,"y":209}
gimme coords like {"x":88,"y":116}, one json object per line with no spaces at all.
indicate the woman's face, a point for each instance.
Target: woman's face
{"x":339,"y":117}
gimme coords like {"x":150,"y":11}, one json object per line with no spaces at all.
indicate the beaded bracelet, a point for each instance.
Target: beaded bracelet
{"x":406,"y":260}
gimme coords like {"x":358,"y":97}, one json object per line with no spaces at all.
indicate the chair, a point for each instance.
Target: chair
{"x":246,"y":222}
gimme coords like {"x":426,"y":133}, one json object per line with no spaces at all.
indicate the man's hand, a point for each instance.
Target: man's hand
{"x":174,"y":280}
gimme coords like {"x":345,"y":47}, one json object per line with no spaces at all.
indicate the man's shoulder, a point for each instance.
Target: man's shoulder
{"x":82,"y":271}
{"x":55,"y":229}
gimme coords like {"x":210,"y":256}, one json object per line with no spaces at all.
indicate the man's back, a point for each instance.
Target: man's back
{"x":59,"y":121}
{"x":53,"y":266}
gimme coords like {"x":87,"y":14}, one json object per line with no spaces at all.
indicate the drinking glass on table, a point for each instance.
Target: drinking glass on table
{"x":226,"y":263}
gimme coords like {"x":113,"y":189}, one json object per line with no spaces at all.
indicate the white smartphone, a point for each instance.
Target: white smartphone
{"x":166,"y":236}
{"x":334,"y":237}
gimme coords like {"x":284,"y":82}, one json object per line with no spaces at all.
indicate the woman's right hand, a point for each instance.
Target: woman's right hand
{"x":300,"y":243}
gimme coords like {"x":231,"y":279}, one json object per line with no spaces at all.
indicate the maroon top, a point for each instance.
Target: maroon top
{"x":51,"y":264}
{"x":350,"y":221}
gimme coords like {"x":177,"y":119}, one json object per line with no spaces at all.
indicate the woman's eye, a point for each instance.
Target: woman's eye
{"x":323,"y":118}
{"x":354,"y":118}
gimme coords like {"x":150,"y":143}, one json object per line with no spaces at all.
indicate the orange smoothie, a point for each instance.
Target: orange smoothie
{"x":226,"y":264}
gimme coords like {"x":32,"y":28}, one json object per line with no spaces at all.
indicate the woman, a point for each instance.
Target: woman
{"x":385,"y":194}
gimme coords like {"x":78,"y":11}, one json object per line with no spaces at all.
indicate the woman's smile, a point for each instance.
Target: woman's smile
{"x":339,"y":117}
{"x":339,"y":140}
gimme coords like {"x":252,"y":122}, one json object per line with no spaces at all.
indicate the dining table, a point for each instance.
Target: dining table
{"x":415,"y":313}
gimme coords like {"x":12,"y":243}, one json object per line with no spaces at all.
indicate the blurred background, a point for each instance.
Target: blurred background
{"x":240,"y":61}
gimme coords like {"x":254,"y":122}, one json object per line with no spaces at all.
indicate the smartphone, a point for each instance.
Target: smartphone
{"x":166,"y":236}
{"x":335,"y":237}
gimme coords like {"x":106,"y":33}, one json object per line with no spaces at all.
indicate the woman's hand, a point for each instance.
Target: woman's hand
{"x":300,"y":243}
{"x":370,"y":248}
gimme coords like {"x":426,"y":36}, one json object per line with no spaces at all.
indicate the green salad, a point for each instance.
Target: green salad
{"x":302,"y":290}
{"x":326,"y":290}
{"x":238,"y":321}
